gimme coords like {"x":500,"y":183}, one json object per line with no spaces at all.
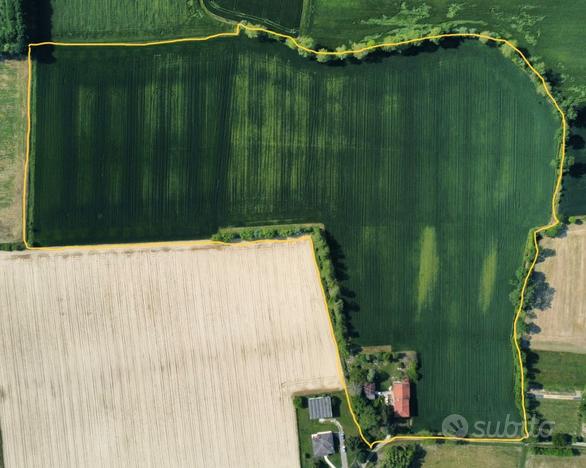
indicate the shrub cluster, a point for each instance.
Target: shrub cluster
{"x":515,"y":297}
{"x":12,"y":27}
{"x":561,"y":446}
{"x":255,"y":233}
{"x":398,"y":456}
{"x":11,"y":246}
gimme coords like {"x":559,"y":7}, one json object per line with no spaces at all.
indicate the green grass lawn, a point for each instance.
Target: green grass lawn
{"x":445,"y":153}
{"x":12,"y":147}
{"x":558,"y":371}
{"x":306,"y":427}
{"x":563,"y":414}
{"x":465,"y":456}
{"x":540,"y":461}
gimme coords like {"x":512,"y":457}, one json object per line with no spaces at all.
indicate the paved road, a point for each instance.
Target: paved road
{"x":330,"y":464}
{"x":341,"y":440}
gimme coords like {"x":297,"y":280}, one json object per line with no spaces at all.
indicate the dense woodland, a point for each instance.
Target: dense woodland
{"x":13,"y":30}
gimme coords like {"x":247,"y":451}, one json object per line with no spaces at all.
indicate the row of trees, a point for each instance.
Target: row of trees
{"x":13,"y":31}
{"x":326,"y":268}
{"x":403,"y":39}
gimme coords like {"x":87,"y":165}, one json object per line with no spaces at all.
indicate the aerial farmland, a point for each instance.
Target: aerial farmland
{"x":109,"y":355}
{"x":400,"y":171}
{"x":325,"y":226}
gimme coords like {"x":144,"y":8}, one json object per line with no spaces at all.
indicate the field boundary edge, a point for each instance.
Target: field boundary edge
{"x":535,"y":232}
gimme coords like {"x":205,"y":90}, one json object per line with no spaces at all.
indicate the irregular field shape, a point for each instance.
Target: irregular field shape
{"x":161,"y":357}
{"x":173,"y":142}
{"x":562,"y":325}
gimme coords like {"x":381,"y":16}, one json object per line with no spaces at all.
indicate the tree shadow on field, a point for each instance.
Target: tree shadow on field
{"x":580,"y":120}
{"x":577,"y":170}
{"x":532,"y":360}
{"x":336,"y":406}
{"x":555,"y":79}
{"x":576,"y":141}
{"x":545,"y":253}
{"x":544,"y":293}
{"x":39,"y":23}
{"x":341,"y":272}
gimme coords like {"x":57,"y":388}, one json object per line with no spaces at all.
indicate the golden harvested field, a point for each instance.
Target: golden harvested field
{"x":562,"y":327}
{"x":182,"y":356}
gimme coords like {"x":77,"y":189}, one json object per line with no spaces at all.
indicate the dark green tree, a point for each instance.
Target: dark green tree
{"x":561,"y":440}
{"x":398,"y":456}
{"x":12,"y":27}
{"x":299,"y":402}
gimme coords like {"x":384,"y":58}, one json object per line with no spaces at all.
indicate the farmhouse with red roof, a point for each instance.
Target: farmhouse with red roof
{"x":401,"y":392}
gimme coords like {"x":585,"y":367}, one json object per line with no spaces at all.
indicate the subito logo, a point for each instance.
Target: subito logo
{"x":455,"y":425}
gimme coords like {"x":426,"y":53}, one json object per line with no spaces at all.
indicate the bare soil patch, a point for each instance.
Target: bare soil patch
{"x":160,"y":357}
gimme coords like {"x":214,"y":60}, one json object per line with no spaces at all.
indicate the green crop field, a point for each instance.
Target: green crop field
{"x":428,"y":170}
{"x":557,"y":371}
{"x":466,"y":456}
{"x":280,"y":14}
{"x":552,"y":32}
{"x":563,"y":414}
{"x":113,"y":20}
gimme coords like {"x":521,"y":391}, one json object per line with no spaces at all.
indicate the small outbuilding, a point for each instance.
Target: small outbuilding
{"x":370,"y":391}
{"x":320,"y":407}
{"x":322,"y":443}
{"x":401,"y":392}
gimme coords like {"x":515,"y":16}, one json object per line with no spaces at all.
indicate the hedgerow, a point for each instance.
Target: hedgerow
{"x":326,"y":267}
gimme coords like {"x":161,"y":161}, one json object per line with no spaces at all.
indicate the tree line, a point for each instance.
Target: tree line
{"x":13,"y":31}
{"x":322,"y":252}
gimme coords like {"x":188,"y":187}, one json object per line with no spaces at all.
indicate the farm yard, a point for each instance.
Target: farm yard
{"x":428,"y":171}
{"x":560,"y":325}
{"x":160,"y":357}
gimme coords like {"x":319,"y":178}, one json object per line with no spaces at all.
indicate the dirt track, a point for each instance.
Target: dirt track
{"x":562,"y":325}
{"x":174,"y":357}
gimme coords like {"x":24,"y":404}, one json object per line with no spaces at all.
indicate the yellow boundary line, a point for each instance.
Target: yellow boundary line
{"x":239,"y":27}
